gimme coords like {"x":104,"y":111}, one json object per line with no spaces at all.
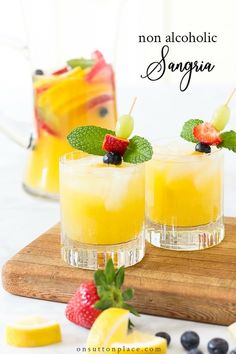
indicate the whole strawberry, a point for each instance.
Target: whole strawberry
{"x":91,"y":298}
{"x":80,"y":309}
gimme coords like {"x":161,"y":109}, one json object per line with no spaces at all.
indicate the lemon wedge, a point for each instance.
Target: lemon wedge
{"x":139,"y":342}
{"x":232,"y":329}
{"x":110,"y":330}
{"x":110,"y":326}
{"x":33,"y":331}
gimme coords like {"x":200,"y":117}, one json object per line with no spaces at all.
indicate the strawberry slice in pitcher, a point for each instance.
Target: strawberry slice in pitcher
{"x":40,"y":124}
{"x":100,"y":71}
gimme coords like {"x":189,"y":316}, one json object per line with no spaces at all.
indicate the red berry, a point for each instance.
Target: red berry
{"x":41,"y":124}
{"x":207,"y":134}
{"x":61,"y":71}
{"x":98,"y":100}
{"x":80,"y":309}
{"x":112,"y":143}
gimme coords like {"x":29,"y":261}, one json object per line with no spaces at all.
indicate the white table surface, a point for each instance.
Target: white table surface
{"x":23,"y":217}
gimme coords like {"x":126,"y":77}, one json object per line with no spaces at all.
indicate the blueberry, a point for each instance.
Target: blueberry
{"x":201,"y":147}
{"x":218,"y":346}
{"x":190,"y":340}
{"x":39,"y":72}
{"x":164,"y":335}
{"x":112,"y":158}
{"x":195,"y":351}
{"x":103,"y":111}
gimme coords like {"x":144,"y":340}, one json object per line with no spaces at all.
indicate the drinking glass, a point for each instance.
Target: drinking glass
{"x":184,"y":197}
{"x":102,"y":212}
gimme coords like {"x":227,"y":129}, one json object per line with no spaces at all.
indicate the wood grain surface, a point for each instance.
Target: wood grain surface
{"x":198,"y":286}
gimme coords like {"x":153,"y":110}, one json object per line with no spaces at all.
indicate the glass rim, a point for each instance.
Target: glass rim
{"x":177,"y":156}
{"x":65,"y":160}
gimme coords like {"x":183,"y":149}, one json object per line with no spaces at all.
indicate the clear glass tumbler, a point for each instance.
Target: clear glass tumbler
{"x":184,"y":197}
{"x":102,"y":212}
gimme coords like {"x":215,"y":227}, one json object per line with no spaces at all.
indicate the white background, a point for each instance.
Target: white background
{"x":61,"y":29}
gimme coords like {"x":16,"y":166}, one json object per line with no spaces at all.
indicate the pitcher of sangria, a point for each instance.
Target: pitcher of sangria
{"x":73,"y":84}
{"x":80,"y":93}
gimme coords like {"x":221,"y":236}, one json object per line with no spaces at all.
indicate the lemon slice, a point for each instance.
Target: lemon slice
{"x":110,"y":331}
{"x":137,"y":342}
{"x":110,"y":326}
{"x":33,"y":331}
{"x":232,"y":329}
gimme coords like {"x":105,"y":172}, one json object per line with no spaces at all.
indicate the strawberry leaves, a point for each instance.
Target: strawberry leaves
{"x":109,"y":283}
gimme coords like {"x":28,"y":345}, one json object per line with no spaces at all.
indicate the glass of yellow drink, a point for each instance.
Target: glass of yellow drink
{"x":184,"y":197}
{"x":102,"y":211}
{"x":63,"y":100}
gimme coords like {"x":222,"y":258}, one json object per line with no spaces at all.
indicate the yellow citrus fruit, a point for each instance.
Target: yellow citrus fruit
{"x":110,"y":330}
{"x":33,"y":331}
{"x":109,"y":327}
{"x":232,"y":329}
{"x":139,"y":342}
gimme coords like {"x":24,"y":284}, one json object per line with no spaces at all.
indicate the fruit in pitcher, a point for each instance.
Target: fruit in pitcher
{"x":207,"y":134}
{"x":112,"y":143}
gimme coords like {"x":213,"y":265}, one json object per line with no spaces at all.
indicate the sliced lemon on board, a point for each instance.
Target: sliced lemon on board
{"x":33,"y":331}
{"x":138,"y":342}
{"x":110,"y":326}
{"x":110,"y":331}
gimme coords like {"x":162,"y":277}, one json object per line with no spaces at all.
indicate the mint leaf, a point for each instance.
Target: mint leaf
{"x":187,"y":130}
{"x":81,"y":62}
{"x":229,"y":140}
{"x":89,"y":139}
{"x":139,"y":150}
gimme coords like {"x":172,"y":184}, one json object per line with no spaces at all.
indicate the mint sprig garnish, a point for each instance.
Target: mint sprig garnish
{"x":109,"y":284}
{"x":187,"y":130}
{"x":229,"y":140}
{"x":81,"y":62}
{"x":90,"y":139}
{"x":139,"y":150}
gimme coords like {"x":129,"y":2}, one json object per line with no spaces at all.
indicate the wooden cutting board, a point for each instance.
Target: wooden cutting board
{"x":198,"y":286}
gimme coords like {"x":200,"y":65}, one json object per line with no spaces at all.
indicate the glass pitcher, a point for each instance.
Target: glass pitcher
{"x":73,"y":84}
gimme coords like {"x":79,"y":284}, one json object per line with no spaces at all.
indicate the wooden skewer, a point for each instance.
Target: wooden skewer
{"x":230,"y":96}
{"x":132,"y":106}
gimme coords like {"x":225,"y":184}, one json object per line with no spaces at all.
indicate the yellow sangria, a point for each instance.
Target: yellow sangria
{"x":184,"y":184}
{"x":184,"y":197}
{"x":81,"y":93}
{"x":103,"y":196}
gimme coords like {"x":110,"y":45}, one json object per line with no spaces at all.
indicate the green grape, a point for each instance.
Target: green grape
{"x":124,"y":126}
{"x":221,"y":117}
